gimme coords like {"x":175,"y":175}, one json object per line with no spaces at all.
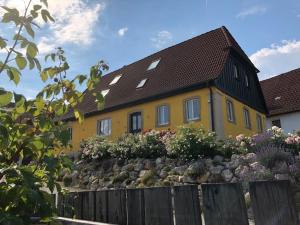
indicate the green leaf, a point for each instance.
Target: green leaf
{"x":37,"y":7}
{"x":31,"y":50}
{"x":44,"y":75}
{"x":45,"y":2}
{"x":39,"y":103}
{"x":79,"y":115}
{"x":14,"y":75}
{"x":29,"y":30}
{"x":5,"y":98}
{"x":19,"y":103}
{"x":46,"y":15}
{"x":3,"y":132}
{"x":21,"y":62}
{"x":37,"y":63}
{"x":2,"y":43}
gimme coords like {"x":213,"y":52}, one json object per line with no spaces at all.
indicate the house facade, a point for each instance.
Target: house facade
{"x":282,"y":95}
{"x":208,"y":81}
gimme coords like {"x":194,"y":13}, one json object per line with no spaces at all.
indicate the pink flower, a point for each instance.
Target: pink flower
{"x":240,"y":137}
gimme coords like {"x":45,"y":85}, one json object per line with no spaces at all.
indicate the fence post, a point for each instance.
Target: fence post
{"x":187,"y":205}
{"x":101,"y":208}
{"x":117,"y":207}
{"x":273,"y":203}
{"x":224,"y":204}
{"x":158,"y":206}
{"x":135,"y":207}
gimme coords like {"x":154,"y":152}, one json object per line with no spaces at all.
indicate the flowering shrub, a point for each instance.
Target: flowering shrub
{"x":152,"y":145}
{"x":188,"y":143}
{"x":270,"y":155}
{"x":230,"y":146}
{"x":126,"y":146}
{"x":192,"y":143}
{"x":95,"y":148}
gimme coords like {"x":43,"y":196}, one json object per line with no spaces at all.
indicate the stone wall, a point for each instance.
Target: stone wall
{"x":114,"y":173}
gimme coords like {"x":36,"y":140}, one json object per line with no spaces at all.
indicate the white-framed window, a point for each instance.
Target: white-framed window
{"x":153,"y":64}
{"x":163,"y":115}
{"x":115,"y":80}
{"x":259,"y":123}
{"x":70,"y":132}
{"x":230,"y":110}
{"x":104,"y":127}
{"x":247,"y":120}
{"x":104,"y":92}
{"x":142,"y":83}
{"x":236,"y":71}
{"x":247,"y":80}
{"x":192,"y":109}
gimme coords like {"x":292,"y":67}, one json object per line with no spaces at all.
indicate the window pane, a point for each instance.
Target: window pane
{"x":153,"y":64}
{"x":163,"y":115}
{"x":104,"y":127}
{"x":192,"y":109}
{"x":196,"y":109}
{"x":139,"y":118}
{"x":236,"y":73}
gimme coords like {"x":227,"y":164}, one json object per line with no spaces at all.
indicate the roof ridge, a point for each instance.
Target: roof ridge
{"x":281,"y":74}
{"x":225,"y":32}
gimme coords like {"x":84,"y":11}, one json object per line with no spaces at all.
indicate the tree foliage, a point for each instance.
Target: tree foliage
{"x":30,"y":130}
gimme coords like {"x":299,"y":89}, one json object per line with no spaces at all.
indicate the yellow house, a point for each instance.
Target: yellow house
{"x":207,"y":80}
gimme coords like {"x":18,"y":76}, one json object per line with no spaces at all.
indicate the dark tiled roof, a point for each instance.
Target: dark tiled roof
{"x":282,"y":93}
{"x":187,"y":64}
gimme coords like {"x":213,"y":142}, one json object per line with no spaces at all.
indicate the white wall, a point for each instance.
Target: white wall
{"x":289,"y":122}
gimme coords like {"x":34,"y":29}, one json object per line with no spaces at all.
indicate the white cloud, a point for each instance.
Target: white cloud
{"x":122,"y":31}
{"x":255,"y":10}
{"x":75,"y":20}
{"x":45,"y":46}
{"x":277,"y":59}
{"x":162,"y":38}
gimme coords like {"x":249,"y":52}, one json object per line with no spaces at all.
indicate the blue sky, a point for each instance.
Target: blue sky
{"x":123,"y":31}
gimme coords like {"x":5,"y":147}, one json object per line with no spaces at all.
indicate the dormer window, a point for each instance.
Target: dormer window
{"x":142,"y":83}
{"x":154,"y":64}
{"x":247,"y":80}
{"x":115,"y":80}
{"x":235,"y":72}
{"x":104,"y":92}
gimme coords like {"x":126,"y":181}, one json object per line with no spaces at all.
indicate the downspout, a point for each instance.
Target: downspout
{"x":212,"y":114}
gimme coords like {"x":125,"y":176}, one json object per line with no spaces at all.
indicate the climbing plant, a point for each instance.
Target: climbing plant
{"x":32,"y":131}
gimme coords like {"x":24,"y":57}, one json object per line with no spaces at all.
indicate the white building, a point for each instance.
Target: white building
{"x":282,"y":95}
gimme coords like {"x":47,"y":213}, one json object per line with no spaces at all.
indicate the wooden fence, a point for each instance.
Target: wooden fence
{"x":223,"y":204}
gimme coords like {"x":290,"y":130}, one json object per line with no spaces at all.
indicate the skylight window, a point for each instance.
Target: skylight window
{"x":104,"y":92}
{"x":115,"y":80}
{"x":142,"y":83}
{"x":154,"y":64}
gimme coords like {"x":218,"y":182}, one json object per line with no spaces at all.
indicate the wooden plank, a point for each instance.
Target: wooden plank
{"x":60,"y":205}
{"x":158,"y":206}
{"x":187,"y":205}
{"x":68,"y":204}
{"x":135,"y":207}
{"x":273,"y":203}
{"x":117,"y":207}
{"x":88,"y":205}
{"x":224,"y":204}
{"x":101,"y":208}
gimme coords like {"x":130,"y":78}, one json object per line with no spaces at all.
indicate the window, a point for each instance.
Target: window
{"x":259,"y":123}
{"x":236,"y":72}
{"x":192,"y":109}
{"x":276,"y":123}
{"x":135,"y":122}
{"x":70,"y":132}
{"x":104,"y":92}
{"x":115,"y":80}
{"x":247,"y":80}
{"x":247,"y":118}
{"x":142,"y":83}
{"x":104,"y":127}
{"x":154,"y":64}
{"x":230,"y":111}
{"x":163,"y":115}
